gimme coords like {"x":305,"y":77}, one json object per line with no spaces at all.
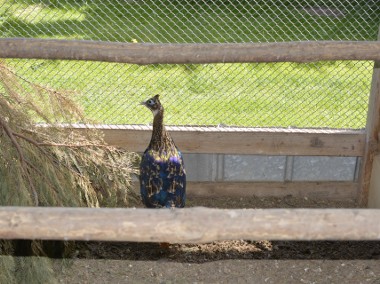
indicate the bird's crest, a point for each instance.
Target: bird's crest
{"x":153,"y":104}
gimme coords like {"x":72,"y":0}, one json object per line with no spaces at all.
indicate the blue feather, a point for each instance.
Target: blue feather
{"x":162,"y":179}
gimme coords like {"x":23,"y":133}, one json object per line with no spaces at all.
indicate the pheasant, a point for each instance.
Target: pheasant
{"x":162,"y":172}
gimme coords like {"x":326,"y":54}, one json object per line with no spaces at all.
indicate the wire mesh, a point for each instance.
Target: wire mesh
{"x":323,"y":94}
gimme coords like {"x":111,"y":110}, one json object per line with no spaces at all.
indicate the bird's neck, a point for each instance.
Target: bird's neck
{"x":160,"y":137}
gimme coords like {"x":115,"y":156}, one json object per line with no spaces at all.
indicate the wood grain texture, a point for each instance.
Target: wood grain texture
{"x":372,"y":138}
{"x":243,"y":141}
{"x":372,"y":135}
{"x":191,"y":225}
{"x":374,"y":189}
{"x":150,"y":53}
{"x":318,"y":190}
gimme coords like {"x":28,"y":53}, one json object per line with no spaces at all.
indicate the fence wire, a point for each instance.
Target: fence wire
{"x":323,"y":94}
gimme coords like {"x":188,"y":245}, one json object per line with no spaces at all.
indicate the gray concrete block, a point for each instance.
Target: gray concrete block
{"x":309,"y":168}
{"x":254,"y":168}
{"x":200,"y":167}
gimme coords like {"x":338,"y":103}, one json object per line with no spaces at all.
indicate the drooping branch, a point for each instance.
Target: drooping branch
{"x":22,"y":160}
{"x":55,"y":166}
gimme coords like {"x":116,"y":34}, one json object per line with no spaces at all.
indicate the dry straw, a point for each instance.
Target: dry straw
{"x":45,"y":164}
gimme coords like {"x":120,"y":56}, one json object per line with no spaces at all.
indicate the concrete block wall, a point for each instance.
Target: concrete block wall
{"x":221,"y":167}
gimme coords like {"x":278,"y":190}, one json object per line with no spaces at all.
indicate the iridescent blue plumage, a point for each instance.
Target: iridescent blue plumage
{"x":162,"y":172}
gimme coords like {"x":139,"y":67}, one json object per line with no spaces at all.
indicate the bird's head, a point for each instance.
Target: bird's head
{"x":153,"y":104}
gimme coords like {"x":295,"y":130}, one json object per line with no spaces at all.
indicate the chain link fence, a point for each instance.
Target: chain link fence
{"x":322,"y":94}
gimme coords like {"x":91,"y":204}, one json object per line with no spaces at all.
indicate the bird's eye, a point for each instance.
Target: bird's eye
{"x":151,"y":102}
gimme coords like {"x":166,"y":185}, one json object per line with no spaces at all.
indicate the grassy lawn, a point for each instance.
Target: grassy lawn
{"x":329,"y":94}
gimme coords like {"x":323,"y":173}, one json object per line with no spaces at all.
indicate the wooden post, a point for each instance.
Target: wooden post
{"x":374,"y":186}
{"x":372,"y":139}
{"x":370,"y":185}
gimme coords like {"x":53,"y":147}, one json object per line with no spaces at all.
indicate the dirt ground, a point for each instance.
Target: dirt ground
{"x":241,"y":261}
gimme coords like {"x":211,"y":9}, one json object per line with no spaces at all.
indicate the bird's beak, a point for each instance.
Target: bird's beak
{"x":143,"y":103}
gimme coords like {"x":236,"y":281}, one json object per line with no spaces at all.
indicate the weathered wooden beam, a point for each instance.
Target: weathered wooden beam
{"x":372,"y":144}
{"x":374,"y":185}
{"x":322,"y":190}
{"x":326,"y":190}
{"x":191,"y":225}
{"x":188,"y":53}
{"x":372,"y":136}
{"x":268,"y":141}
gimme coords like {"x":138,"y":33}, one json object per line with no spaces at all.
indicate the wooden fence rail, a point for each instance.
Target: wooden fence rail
{"x":263,"y":141}
{"x":191,"y":225}
{"x":149,"y":53}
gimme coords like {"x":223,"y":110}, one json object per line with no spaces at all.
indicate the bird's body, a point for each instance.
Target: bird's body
{"x":162,"y":172}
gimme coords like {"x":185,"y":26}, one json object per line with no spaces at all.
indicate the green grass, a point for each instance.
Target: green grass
{"x":184,"y":21}
{"x":329,"y":94}
{"x":281,"y":94}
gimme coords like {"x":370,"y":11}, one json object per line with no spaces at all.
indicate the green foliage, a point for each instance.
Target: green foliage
{"x":34,"y":270}
{"x":7,"y":268}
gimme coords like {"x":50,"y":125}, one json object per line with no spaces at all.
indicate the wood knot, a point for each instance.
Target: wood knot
{"x":316,"y":142}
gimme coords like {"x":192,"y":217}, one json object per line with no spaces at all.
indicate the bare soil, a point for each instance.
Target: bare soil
{"x":241,"y":261}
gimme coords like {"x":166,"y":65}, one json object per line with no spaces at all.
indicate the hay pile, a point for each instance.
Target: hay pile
{"x":44,"y":164}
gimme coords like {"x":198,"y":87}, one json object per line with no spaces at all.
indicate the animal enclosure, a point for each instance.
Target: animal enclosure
{"x":248,"y":119}
{"x":8,"y":46}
